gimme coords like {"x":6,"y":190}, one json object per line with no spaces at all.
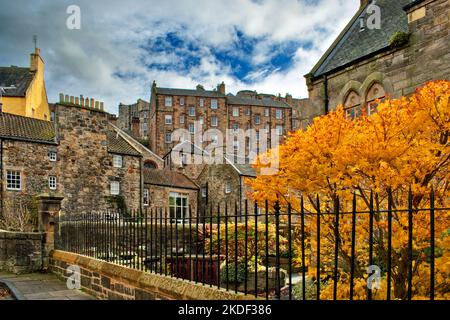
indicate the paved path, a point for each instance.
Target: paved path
{"x":40,"y":286}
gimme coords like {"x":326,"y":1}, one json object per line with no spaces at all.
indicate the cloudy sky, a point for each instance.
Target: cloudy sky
{"x":122,"y":46}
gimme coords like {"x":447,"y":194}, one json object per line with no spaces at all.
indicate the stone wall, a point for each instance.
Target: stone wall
{"x":21,"y":252}
{"x":400,"y":71}
{"x":113,"y":282}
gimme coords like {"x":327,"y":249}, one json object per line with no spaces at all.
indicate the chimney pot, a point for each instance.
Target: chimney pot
{"x":61,"y":97}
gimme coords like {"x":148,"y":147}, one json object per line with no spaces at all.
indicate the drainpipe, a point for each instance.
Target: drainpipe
{"x":327,"y":100}
{"x":1,"y":177}
{"x":141,"y":184}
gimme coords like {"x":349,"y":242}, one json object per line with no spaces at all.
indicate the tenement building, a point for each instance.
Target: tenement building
{"x":133,"y":119}
{"x":369,"y":62}
{"x":200,"y":110}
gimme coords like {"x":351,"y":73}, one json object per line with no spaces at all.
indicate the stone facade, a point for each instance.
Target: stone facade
{"x":173,"y":109}
{"x":398,"y":71}
{"x":134,"y":119}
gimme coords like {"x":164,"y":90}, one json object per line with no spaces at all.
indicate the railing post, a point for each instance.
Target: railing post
{"x":48,"y":215}
{"x":276,"y":208}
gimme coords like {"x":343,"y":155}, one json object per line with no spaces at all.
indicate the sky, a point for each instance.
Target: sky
{"x":122,"y":46}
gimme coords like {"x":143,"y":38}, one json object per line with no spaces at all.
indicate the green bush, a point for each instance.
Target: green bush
{"x":399,"y":39}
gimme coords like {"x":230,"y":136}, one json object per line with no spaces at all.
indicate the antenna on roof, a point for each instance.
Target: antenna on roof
{"x":35,"y":41}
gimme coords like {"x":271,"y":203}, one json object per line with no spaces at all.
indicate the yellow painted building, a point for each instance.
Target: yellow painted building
{"x":24,"y":91}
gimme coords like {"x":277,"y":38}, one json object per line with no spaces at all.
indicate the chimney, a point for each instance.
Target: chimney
{"x":221,"y":88}
{"x":200,"y":87}
{"x":34,"y":60}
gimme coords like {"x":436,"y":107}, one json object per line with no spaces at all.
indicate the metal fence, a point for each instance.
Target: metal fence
{"x":312,"y":252}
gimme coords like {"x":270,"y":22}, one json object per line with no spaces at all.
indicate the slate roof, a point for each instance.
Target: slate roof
{"x":18,"y":77}
{"x":28,"y":129}
{"x":118,"y":145}
{"x":168,"y":178}
{"x":188,"y":92}
{"x":243,"y":169}
{"x":234,"y":100}
{"x":353,"y":44}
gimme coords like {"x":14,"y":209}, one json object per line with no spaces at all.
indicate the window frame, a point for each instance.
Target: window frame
{"x":52,"y":182}
{"x":182,"y":119}
{"x":278,"y":114}
{"x":166,"y":104}
{"x":146,"y":197}
{"x":216,"y":122}
{"x":236,"y":111}
{"x":191,"y":114}
{"x":257,"y":119}
{"x":168,"y":117}
{"x":228,"y":188}
{"x":51,"y":154}
{"x":113,"y":186}
{"x":184,"y":208}
{"x":214,"y":105}
{"x":9,"y":183}
{"x":115,"y":161}
{"x":165,"y":137}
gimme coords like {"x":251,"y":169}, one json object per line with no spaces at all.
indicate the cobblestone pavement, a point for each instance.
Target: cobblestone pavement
{"x":40,"y":286}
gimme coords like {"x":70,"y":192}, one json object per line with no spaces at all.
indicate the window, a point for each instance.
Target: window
{"x":202,"y":102}
{"x":149,"y":164}
{"x":228,"y":187}
{"x":52,"y":155}
{"x":168,"y":101}
{"x":13,"y":180}
{"x":52,"y":116}
{"x":192,"y":112}
{"x":168,"y":137}
{"x":214,"y":139}
{"x":279,"y":129}
{"x":181,"y":119}
{"x":375,"y":94}
{"x":352,"y":105}
{"x":146,"y":197}
{"x":117,"y":161}
{"x":178,"y":206}
{"x":181,"y":101}
{"x":191,"y":128}
{"x":214,"y":121}
{"x":267,"y":112}
{"x":247,"y":111}
{"x":204,"y":192}
{"x":213,"y":104}
{"x":279,"y":114}
{"x":115,"y":188}
{"x":52,"y":182}
{"x":257,"y":119}
{"x":235,"y":112}
{"x":201,"y":120}
{"x":144,"y":126}
{"x":168,"y":119}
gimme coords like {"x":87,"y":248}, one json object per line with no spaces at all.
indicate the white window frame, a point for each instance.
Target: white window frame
{"x":204,"y":192}
{"x":182,"y":119}
{"x":168,"y":134}
{"x":214,"y":121}
{"x":114,"y":188}
{"x":174,"y":206}
{"x":53,"y":156}
{"x":168,"y":101}
{"x":228,"y":187}
{"x":257,"y":119}
{"x":182,"y":101}
{"x":168,"y":119}
{"x":52,"y":183}
{"x":267,"y":112}
{"x":235,"y":111}
{"x":202,"y":102}
{"x":248,"y":111}
{"x":191,"y":111}
{"x":13,"y":180}
{"x":117,"y":161}
{"x":191,"y":126}
{"x":279,"y":114}
{"x":146,"y":197}
{"x":214,"y":104}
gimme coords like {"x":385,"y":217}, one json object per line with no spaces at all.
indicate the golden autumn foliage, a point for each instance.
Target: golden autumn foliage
{"x":405,"y":144}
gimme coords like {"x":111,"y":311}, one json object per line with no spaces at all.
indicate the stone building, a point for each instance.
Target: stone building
{"x":172,"y":192}
{"x":79,"y":156}
{"x":200,"y":110}
{"x":134,"y":120}
{"x":366,"y":63}
{"x":22,"y":90}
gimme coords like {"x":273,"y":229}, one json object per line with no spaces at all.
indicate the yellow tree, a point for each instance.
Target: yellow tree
{"x":404,"y":145}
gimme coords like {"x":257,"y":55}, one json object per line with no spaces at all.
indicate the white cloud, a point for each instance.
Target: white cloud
{"x":114,"y":32}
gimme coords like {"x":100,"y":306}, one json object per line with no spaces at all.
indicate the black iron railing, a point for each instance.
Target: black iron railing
{"x":278,"y":252}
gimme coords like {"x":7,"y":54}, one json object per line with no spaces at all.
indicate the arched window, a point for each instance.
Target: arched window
{"x":149,"y":164}
{"x":352,"y":104}
{"x":375,"y":92}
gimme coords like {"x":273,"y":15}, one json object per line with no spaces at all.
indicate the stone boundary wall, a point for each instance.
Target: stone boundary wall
{"x":21,"y":252}
{"x":113,"y":282}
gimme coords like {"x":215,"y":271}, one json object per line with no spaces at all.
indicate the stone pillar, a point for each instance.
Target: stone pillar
{"x":48,"y":213}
